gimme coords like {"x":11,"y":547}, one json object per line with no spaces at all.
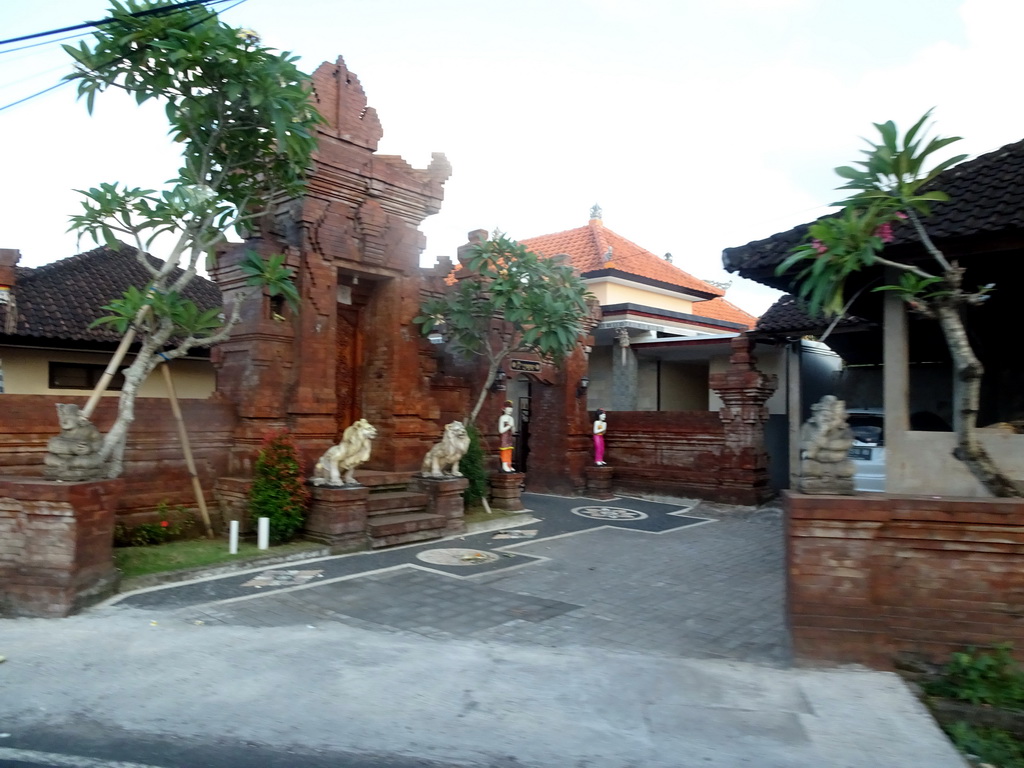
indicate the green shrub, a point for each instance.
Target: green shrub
{"x":278,"y":491}
{"x":472,"y":468}
{"x":173,"y":524}
{"x":982,"y":677}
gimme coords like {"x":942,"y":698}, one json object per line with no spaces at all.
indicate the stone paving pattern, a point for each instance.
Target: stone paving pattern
{"x":705,"y":590}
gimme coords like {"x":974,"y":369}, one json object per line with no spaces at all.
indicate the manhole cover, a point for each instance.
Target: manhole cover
{"x":456,"y":557}
{"x":609,"y":513}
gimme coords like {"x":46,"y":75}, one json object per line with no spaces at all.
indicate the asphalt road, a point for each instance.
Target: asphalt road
{"x":88,"y":744}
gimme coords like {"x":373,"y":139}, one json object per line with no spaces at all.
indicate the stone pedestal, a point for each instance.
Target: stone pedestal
{"x":444,"y":497}
{"x":506,"y":488}
{"x":599,"y":482}
{"x":56,"y":545}
{"x":337,"y":517}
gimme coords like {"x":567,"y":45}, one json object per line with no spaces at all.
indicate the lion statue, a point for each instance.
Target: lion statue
{"x":447,"y":453}
{"x":353,"y":450}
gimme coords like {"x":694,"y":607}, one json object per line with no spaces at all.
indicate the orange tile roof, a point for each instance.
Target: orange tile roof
{"x":592,"y":248}
{"x":721,"y":309}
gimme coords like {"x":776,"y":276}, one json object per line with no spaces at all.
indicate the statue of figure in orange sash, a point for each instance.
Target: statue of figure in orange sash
{"x":506,"y":436}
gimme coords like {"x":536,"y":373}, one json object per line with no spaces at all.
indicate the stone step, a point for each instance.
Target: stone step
{"x":386,"y":502}
{"x":378,"y":480}
{"x":404,"y":527}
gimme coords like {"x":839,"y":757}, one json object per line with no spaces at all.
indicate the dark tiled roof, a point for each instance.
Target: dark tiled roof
{"x":986,"y":196}
{"x":787,"y":316}
{"x":60,"y":300}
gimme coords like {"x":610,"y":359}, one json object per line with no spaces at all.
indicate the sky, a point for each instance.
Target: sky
{"x":696,"y":126}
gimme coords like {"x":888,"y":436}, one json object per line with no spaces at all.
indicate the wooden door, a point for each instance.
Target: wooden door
{"x":347,"y":373}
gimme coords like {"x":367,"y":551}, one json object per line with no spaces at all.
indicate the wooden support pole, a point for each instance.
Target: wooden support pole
{"x":187,"y":448}
{"x":108,"y":374}
{"x":115,"y":361}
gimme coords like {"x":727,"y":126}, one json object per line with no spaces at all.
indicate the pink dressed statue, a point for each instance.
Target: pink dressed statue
{"x":600,"y":427}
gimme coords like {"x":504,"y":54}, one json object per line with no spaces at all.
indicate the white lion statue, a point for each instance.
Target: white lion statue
{"x":447,"y":453}
{"x":353,"y":450}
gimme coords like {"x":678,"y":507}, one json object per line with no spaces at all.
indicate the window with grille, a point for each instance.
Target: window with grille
{"x":81,"y":376}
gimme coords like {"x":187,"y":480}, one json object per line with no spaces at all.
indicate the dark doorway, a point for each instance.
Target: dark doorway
{"x":346,"y":377}
{"x":519,"y":390}
{"x":523,"y":438}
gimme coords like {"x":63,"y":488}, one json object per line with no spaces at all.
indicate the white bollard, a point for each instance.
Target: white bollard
{"x":233,"y":537}
{"x":263,"y":533}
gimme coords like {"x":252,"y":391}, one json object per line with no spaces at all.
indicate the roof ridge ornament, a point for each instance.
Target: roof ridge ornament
{"x":595,"y":212}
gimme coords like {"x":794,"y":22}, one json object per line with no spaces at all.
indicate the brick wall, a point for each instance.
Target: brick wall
{"x":874,"y":574}
{"x":154,"y":463}
{"x":675,"y":453}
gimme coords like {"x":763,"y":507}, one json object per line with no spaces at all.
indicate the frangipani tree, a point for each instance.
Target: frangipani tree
{"x":243,"y":117}
{"x":892,"y":187}
{"x":511,"y":300}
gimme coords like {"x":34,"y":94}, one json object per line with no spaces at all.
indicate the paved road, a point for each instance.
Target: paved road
{"x":624,"y":633}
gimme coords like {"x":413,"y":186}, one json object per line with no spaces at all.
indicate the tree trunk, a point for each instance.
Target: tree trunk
{"x":969,"y":371}
{"x":114,"y":441}
{"x":492,"y":371}
{"x":144,"y":364}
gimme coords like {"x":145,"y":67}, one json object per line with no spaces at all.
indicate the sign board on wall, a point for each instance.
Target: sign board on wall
{"x":524,"y":366}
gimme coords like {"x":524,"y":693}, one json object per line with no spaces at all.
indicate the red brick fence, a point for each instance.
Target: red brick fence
{"x":155,"y":468}
{"x":683,"y":453}
{"x":875,"y":574}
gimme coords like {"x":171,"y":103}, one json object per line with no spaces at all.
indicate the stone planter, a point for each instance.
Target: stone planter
{"x":56,"y":545}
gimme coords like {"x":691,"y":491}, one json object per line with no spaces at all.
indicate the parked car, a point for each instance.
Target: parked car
{"x":868,"y":449}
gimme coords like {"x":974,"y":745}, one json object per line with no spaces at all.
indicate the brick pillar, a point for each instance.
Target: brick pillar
{"x":8,"y":308}
{"x":337,"y":517}
{"x":506,"y":489}
{"x":744,"y":391}
{"x":599,"y":482}
{"x":444,"y":498}
{"x":232,"y":495}
{"x":56,"y":545}
{"x":560,"y":429}
{"x":254,"y":366}
{"x":9,"y":259}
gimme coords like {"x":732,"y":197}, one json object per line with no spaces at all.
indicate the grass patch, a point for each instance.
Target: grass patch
{"x":194,"y":553}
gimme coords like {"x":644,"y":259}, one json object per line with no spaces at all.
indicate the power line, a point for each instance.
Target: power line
{"x":88,"y":24}
{"x":168,"y":8}
{"x":37,"y":45}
